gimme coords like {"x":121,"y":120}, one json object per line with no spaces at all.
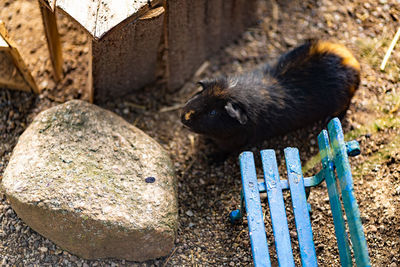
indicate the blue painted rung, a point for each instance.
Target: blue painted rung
{"x":349,"y":201}
{"x":277,"y":208}
{"x":258,"y":239}
{"x":352,"y":148}
{"x":308,"y":182}
{"x":334,"y":155}
{"x":333,"y":192}
{"x":300,"y":209}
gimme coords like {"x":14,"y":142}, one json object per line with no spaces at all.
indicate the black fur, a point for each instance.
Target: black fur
{"x":301,"y":88}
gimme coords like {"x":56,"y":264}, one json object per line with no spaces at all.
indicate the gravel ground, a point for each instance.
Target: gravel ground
{"x":207,"y":190}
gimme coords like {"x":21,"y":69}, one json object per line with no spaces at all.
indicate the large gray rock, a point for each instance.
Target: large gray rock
{"x":93,"y":184}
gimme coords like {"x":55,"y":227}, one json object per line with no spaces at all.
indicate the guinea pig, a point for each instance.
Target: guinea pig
{"x":312,"y":82}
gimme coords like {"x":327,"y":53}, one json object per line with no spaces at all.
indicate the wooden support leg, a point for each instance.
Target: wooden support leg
{"x":10,"y":80}
{"x":53,"y":39}
{"x":89,"y":87}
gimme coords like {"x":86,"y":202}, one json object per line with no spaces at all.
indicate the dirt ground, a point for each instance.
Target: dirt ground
{"x":209,"y":191}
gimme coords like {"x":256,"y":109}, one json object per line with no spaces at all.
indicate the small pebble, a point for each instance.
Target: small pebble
{"x":189,"y":213}
{"x":398,"y":190}
{"x":373,"y":229}
{"x":43,"y":249}
{"x":44,"y":84}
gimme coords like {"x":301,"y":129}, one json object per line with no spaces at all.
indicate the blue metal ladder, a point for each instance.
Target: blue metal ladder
{"x":334,"y":156}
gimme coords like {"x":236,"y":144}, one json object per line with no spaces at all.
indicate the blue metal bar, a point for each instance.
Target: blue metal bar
{"x":349,"y":201}
{"x":258,"y":238}
{"x":314,"y":180}
{"x":299,"y":203}
{"x":352,"y":149}
{"x":308,"y":182}
{"x":337,"y":213}
{"x":277,"y":208}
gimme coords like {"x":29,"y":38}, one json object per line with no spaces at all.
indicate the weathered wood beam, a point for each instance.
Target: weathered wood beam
{"x":13,"y":71}
{"x":53,"y":38}
{"x":195,"y":29}
{"x":124,"y":60}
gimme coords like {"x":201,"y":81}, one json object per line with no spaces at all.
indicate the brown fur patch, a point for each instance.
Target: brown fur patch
{"x":189,"y":114}
{"x":327,"y":47}
{"x":352,"y":90}
{"x":218,"y":91}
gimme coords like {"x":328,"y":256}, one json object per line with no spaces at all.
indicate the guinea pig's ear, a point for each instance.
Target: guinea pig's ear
{"x":236,"y":112}
{"x":204,"y":84}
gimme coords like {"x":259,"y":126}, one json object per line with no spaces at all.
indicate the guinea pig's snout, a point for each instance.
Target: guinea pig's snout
{"x":186,"y":116}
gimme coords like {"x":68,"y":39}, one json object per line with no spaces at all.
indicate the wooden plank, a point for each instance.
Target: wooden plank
{"x":214,"y":25}
{"x":111,"y":13}
{"x":10,"y":76}
{"x":99,"y":17}
{"x":195,"y":29}
{"x":185,"y":54}
{"x":89,"y":85}
{"x":125,"y":60}
{"x":300,"y":210}
{"x":5,"y":36}
{"x":50,"y":4}
{"x":53,"y":39}
{"x":333,"y":192}
{"x":343,"y":170}
{"x":17,"y":59}
{"x":82,"y":11}
{"x":24,"y":69}
{"x":258,"y":238}
{"x":277,"y":208}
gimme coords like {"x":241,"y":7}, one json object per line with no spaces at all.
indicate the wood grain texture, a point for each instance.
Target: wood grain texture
{"x":17,"y":62}
{"x":99,"y":17}
{"x":82,"y":11}
{"x":125,"y":60}
{"x":112,"y":12}
{"x":53,"y":39}
{"x":51,"y":4}
{"x":198,"y":28}
{"x":10,"y":76}
{"x":89,"y":86}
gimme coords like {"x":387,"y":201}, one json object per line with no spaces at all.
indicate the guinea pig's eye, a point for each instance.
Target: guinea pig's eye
{"x":212,"y":113}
